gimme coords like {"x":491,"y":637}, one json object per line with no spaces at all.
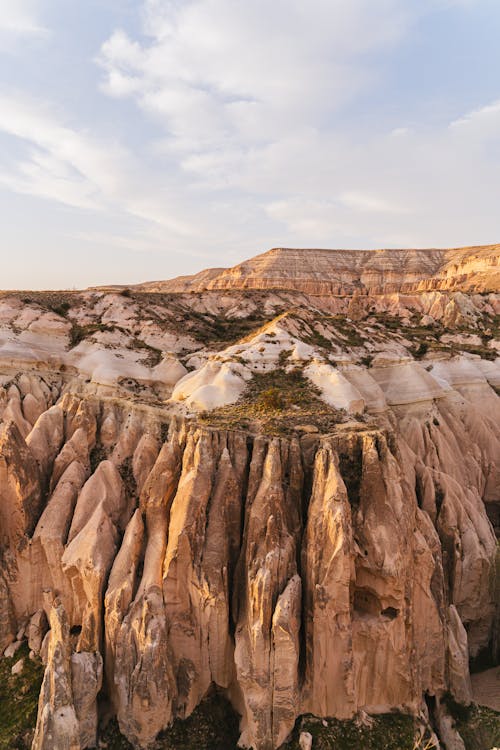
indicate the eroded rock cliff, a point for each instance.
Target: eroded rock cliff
{"x":322,"y":574}
{"x":472,"y":269}
{"x":288,"y":497}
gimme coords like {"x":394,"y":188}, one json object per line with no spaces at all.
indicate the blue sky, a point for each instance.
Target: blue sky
{"x":144,"y":139}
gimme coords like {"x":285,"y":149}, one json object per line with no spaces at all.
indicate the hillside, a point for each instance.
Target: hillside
{"x":257,"y":504}
{"x":324,"y":272}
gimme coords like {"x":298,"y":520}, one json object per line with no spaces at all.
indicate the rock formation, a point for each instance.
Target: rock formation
{"x":334,"y":559}
{"x":347,"y":271}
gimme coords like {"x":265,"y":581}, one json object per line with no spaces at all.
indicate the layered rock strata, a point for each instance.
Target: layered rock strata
{"x":341,"y":272}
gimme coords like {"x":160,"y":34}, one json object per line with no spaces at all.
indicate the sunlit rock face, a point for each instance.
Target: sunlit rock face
{"x":319,"y":574}
{"x":326,"y":546}
{"x":347,"y":271}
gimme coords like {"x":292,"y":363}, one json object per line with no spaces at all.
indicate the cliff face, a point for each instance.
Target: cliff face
{"x":286,"y":496}
{"x":315,"y":574}
{"x":339,"y":272}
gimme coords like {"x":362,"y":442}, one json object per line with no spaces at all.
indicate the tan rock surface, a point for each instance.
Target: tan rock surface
{"x":343,"y":271}
{"x":57,"y":724}
{"x":336,"y":560}
{"x":216,"y":583}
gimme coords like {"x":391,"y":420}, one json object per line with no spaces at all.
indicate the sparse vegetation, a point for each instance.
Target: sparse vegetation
{"x":272,"y":399}
{"x":61,"y":309}
{"x":127,"y":475}
{"x":388,"y":731}
{"x":153,"y":355}
{"x":479,"y":727}
{"x":421,"y":350}
{"x":19,"y":701}
{"x":212,"y":726}
{"x":170,"y":311}
{"x":275,"y":403}
{"x":97,"y":454}
{"x":79,"y":333}
{"x":59,"y":302}
{"x":367,"y":360}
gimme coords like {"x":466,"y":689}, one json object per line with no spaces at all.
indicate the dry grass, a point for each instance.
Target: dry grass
{"x":276,"y":403}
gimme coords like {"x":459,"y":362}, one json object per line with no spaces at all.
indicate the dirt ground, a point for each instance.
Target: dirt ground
{"x":486,"y":688}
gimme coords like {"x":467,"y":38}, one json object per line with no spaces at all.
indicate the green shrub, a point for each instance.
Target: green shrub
{"x":272,"y":399}
{"x":421,"y":350}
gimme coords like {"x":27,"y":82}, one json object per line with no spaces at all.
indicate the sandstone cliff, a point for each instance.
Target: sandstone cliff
{"x":345,"y":271}
{"x":289,"y":497}
{"x":316,"y":574}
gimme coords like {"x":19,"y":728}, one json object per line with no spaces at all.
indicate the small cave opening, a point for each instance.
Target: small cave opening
{"x":390,"y":612}
{"x":366,"y":602}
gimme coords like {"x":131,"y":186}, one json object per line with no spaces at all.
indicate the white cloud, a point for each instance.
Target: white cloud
{"x":483,"y":124}
{"x":364,"y":202}
{"x":219,"y":70}
{"x":60,"y":162}
{"x":73,"y":167}
{"x":20,"y":17}
{"x":256,"y":143}
{"x":250,"y":95}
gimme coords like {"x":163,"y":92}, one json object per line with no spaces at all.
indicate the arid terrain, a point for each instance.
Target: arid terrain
{"x":258,"y":505}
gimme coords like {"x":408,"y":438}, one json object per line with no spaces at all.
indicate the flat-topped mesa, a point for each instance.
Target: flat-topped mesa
{"x":473,"y":269}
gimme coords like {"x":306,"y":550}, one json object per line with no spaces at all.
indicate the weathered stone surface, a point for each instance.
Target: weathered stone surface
{"x":344,"y":271}
{"x":245,"y":563}
{"x":7,"y":620}
{"x":342,"y":568}
{"x":57,"y":724}
{"x":328,"y":565}
{"x":144,"y":681}
{"x":20,"y":490}
{"x":86,"y":680}
{"x":37,"y":627}
{"x":46,"y":437}
{"x":268,"y":565}
{"x":458,"y":659}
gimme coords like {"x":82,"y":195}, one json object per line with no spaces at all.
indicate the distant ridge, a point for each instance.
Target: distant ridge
{"x":323,"y":271}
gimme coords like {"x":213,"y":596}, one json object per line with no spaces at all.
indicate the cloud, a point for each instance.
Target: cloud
{"x":255,"y":124}
{"x":252,"y":100}
{"x":58,"y":162}
{"x":213,"y":71}
{"x":364,"y":202}
{"x":71,"y":166}
{"x":482,"y":124}
{"x":20,"y":17}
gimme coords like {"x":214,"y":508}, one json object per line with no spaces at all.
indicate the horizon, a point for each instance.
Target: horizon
{"x":111,"y":284}
{"x":147,"y":139}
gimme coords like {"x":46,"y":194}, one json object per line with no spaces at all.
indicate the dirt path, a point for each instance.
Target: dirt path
{"x":486,"y":688}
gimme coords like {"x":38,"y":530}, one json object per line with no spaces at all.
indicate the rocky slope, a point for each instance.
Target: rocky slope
{"x":288,"y":498}
{"x":346,"y":271}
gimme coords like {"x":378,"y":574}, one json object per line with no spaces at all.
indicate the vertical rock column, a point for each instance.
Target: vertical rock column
{"x":138,"y":662}
{"x":57,"y":725}
{"x":328,"y":569}
{"x":267,"y":652}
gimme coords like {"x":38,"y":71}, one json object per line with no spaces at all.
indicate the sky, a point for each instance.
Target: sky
{"x":143,"y":139}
